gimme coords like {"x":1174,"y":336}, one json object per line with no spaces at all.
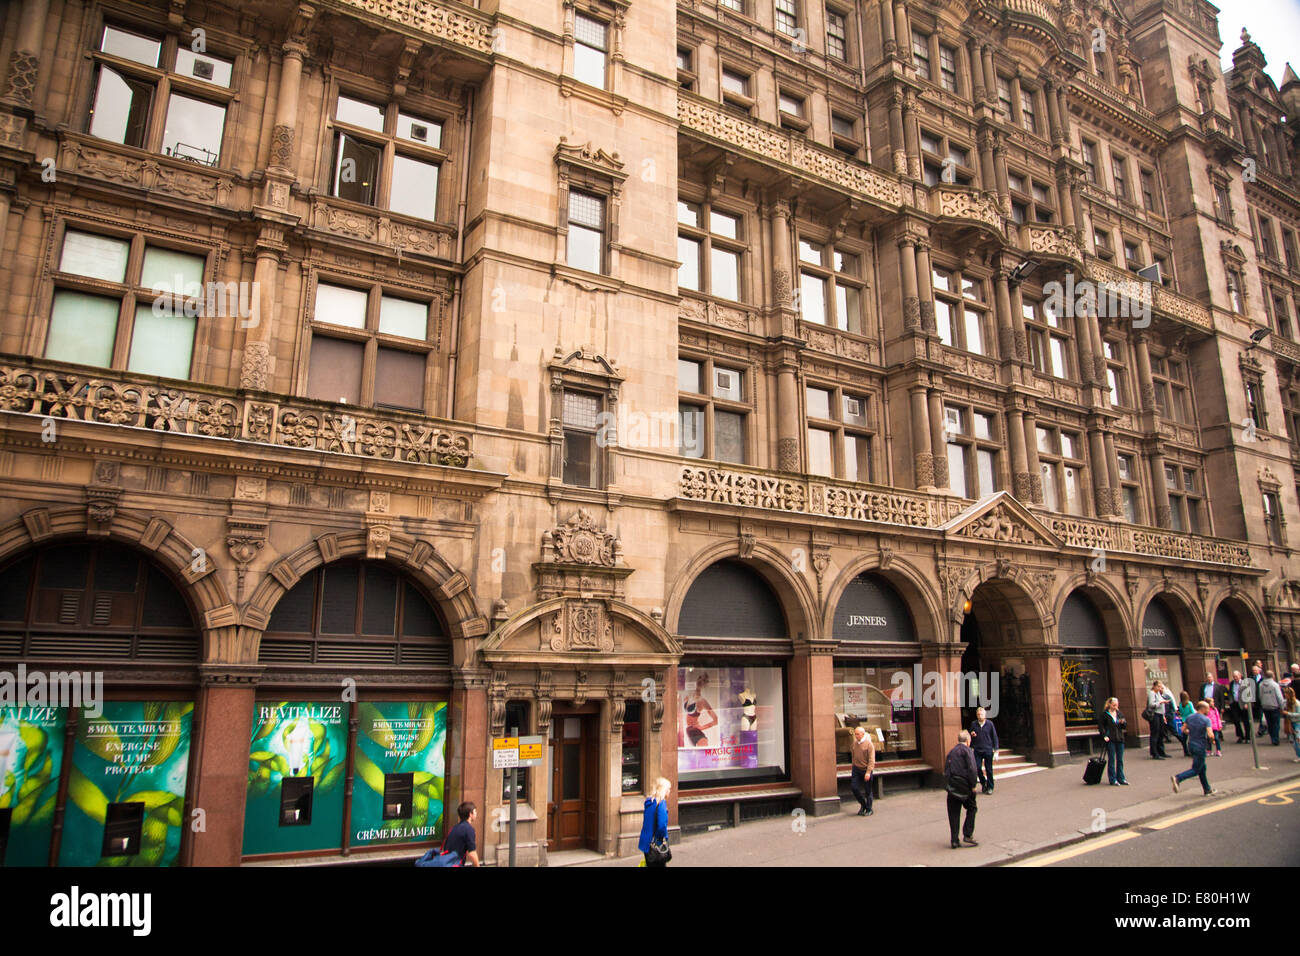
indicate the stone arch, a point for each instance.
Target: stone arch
{"x":214,"y":613}
{"x":1249,"y":616}
{"x":1009,"y":601}
{"x":445,"y":585}
{"x":1111,"y":603}
{"x":660,"y":648}
{"x":915,"y":588}
{"x":1192,"y":626}
{"x":792,"y":590}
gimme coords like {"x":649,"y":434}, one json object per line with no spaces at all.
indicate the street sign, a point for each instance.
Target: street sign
{"x":530,"y":751}
{"x":505,"y":752}
{"x":1246,"y":692}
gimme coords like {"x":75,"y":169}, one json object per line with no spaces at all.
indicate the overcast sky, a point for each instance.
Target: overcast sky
{"x":1274,"y":25}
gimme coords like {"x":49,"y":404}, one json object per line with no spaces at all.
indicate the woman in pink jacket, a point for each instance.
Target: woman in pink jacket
{"x":1216,"y":725}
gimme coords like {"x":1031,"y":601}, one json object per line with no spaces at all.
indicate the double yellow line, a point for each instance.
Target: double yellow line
{"x":1090,"y":844}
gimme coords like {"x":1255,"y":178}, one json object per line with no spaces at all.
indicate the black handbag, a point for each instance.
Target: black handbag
{"x":659,"y":852}
{"x":958,"y":787}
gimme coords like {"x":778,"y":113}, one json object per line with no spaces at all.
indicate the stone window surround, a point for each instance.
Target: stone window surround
{"x":601,"y":174}
{"x":708,"y":402}
{"x":603,"y":382}
{"x":614,"y":14}
{"x":840,"y":428}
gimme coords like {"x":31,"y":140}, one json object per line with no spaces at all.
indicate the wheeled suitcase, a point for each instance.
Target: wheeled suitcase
{"x":1092,"y":773}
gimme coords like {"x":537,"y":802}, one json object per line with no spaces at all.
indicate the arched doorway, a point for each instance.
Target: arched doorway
{"x":874,"y":666}
{"x":1085,"y":663}
{"x":732,"y":712}
{"x":374,"y":757}
{"x":66,"y":611}
{"x":999,"y":625}
{"x":1162,"y":643}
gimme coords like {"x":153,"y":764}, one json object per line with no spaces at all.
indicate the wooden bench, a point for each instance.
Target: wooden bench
{"x":899,"y":768}
{"x":1087,"y":734}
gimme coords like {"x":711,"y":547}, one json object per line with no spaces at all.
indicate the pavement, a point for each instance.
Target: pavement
{"x":1025,"y":815}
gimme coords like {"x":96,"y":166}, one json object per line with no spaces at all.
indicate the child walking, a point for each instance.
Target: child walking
{"x":1216,"y":725}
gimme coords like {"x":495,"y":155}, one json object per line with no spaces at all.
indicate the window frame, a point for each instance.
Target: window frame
{"x":1172,"y":393}
{"x":1186,"y":504}
{"x":845,"y":18}
{"x":1042,"y":331}
{"x":1053,"y":463}
{"x":832,"y":279}
{"x":971,"y":445}
{"x":706,"y":239}
{"x":605,"y":53}
{"x":959,"y":302}
{"x":840,"y":430}
{"x":709,"y":403}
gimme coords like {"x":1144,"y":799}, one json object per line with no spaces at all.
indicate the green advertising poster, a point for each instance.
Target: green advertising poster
{"x":296,"y":762}
{"x":126,"y":790}
{"x":31,"y":756}
{"x":397,"y":790}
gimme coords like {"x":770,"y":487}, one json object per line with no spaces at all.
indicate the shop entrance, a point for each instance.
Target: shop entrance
{"x":573,"y":791}
{"x":999,"y":671}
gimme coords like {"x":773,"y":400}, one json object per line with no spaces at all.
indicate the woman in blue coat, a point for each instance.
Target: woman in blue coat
{"x":654,"y":825}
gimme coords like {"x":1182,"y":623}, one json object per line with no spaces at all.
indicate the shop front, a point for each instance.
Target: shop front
{"x":1085,"y":665}
{"x":1229,"y":644}
{"x":876,"y":671}
{"x":95,"y":742}
{"x":1162,"y":646}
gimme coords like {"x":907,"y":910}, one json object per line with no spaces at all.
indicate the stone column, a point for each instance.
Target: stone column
{"x":1022,"y":485}
{"x":258,"y":367}
{"x":911,"y":292}
{"x":1053,"y":113}
{"x":1006,"y":327}
{"x":1065,"y":189}
{"x":1100,"y":473}
{"x":887,"y":27}
{"x":286,"y":107}
{"x":1146,"y":384}
{"x":1018,"y":325}
{"x":1083,"y":348}
{"x":223,"y":726}
{"x":988,"y":175}
{"x":1063,"y":111}
{"x":787,"y":396}
{"x":925,"y":285}
{"x":922,"y":458}
{"x":896,"y":141}
{"x":467,"y":747}
{"x":976,"y":67}
{"x":938,"y":440}
{"x":902,"y":30}
{"x":24,"y":62}
{"x":1159,"y":489}
{"x":1043,"y":665}
{"x":990,"y":74}
{"x":1031,"y":455}
{"x":1128,"y":679}
{"x":1112,"y":466}
{"x":1098,"y":352}
{"x":911,"y":135}
{"x":812,"y":727}
{"x":1000,"y":173}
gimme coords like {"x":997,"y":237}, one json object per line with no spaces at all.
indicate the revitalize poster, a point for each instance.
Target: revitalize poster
{"x":31,"y":757}
{"x":398,"y":784}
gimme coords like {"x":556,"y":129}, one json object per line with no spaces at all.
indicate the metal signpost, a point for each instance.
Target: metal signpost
{"x":512,"y":753}
{"x":1246,"y":695}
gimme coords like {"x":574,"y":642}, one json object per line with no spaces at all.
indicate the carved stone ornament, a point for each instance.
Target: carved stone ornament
{"x":582,"y":626}
{"x":581,"y":541}
{"x":101,"y":503}
{"x":998,"y":525}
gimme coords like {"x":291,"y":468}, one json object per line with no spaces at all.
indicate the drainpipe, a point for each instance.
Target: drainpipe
{"x":460,"y":257}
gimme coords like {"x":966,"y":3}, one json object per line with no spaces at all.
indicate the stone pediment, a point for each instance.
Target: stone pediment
{"x":580,"y":631}
{"x":1001,"y":519}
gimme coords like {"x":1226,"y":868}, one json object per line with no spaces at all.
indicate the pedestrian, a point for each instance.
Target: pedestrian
{"x":654,"y":825}
{"x":1257,"y":675}
{"x":1272,"y":702}
{"x":1216,"y":725}
{"x":984,"y":741}
{"x":461,"y":839}
{"x":1185,"y":710}
{"x":1290,"y":725}
{"x":961,"y":776}
{"x":864,"y":765}
{"x":1235,"y":709}
{"x":1112,"y":725}
{"x":1216,"y":693}
{"x":1199,"y":737}
{"x":1159,"y":707}
{"x":1293,"y":715}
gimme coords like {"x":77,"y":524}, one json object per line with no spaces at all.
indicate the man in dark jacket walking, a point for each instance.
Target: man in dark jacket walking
{"x":961,"y":775}
{"x":984,"y":741}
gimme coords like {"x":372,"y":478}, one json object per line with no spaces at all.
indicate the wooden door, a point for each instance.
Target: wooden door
{"x":574,"y":791}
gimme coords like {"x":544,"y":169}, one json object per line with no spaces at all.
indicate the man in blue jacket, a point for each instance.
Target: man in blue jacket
{"x":984,"y":741}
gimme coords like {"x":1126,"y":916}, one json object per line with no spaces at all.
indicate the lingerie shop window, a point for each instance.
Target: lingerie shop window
{"x":730,"y":725}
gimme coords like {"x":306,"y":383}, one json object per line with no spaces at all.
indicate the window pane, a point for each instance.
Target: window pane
{"x":1060,"y":366}
{"x":957,"y":469}
{"x":812,"y":300}
{"x":335,"y":370}
{"x":1073,"y":500}
{"x":581,"y":410}
{"x":690,"y":441}
{"x":130,"y":46}
{"x":590,"y":31}
{"x":820,"y":459}
{"x":121,"y":110}
{"x":983,"y":425}
{"x":211,"y":69}
{"x":812,"y":253}
{"x":585,"y":248}
{"x":193,"y":130}
{"x":356,"y":169}
{"x":588,"y":65}
{"x":941,"y":280}
{"x":819,"y":403}
{"x":1176,"y":512}
{"x":339,"y":306}
{"x":722,"y":224}
{"x":725,"y":273}
{"x":954,"y":422}
{"x":1050,"y":497}
{"x":1069,"y":445}
{"x":415,"y":188}
{"x":1045,"y":442}
{"x":360,"y":113}
{"x":943,"y":321}
{"x":729,"y":437}
{"x":855,"y":410}
{"x":688,"y":376}
{"x":399,"y":378}
{"x":688,"y":214}
{"x":857,"y":458}
{"x":974,"y":331}
{"x":419,"y":130}
{"x":82,"y":328}
{"x":168,"y":271}
{"x":1131,"y":505}
{"x":688,"y":275}
{"x":735,"y":83}
{"x":162,"y":344}
{"x":98,"y":257}
{"x":848,"y":315}
{"x":728,"y":383}
{"x":987,"y":464}
{"x":403,"y":317}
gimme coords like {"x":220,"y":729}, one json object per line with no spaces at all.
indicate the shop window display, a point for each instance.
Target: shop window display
{"x":866,"y":694}
{"x":1084,"y":688}
{"x":731,"y":724}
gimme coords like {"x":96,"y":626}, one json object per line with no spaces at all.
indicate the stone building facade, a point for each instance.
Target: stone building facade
{"x":683,"y":385}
